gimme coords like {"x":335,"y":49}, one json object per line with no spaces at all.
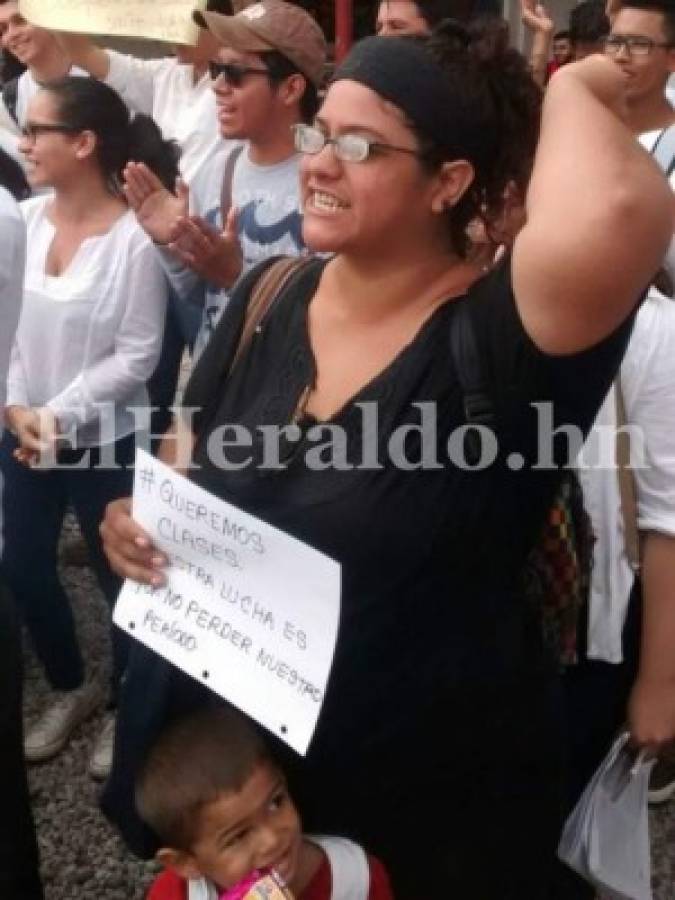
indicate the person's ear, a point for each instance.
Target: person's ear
{"x":291,"y":89}
{"x":180,"y":861}
{"x":85,"y":144}
{"x":453,"y":181}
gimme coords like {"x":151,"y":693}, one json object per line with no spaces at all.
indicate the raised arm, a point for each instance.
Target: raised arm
{"x":537,"y":20}
{"x":85,"y":53}
{"x":599,"y":214}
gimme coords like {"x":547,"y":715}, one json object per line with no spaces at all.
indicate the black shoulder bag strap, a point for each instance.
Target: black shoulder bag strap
{"x":477,"y":403}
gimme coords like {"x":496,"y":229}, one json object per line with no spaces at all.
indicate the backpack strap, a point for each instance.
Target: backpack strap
{"x":626,"y":479}
{"x":228,"y":180}
{"x":350,"y":870}
{"x":265,"y":291}
{"x":663,"y":150}
{"x":477,"y":402}
{"x":10,"y":97}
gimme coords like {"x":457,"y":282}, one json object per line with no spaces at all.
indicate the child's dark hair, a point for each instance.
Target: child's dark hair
{"x":86,"y":104}
{"x":12,"y":177}
{"x":562,"y":36}
{"x":665,"y":7}
{"x":491,"y":87}
{"x":280,"y":67}
{"x":195,"y":760}
{"x":588,"y":22}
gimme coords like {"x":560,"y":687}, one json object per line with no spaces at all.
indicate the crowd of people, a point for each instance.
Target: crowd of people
{"x":473,"y":235}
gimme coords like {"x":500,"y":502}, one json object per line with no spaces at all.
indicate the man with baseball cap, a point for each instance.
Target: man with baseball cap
{"x":245,"y":205}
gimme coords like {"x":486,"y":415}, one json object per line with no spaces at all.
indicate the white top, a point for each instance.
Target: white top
{"x":648,"y":140}
{"x":12,"y":261}
{"x":648,"y":385}
{"x":165,"y":90}
{"x":89,"y":339}
{"x":12,"y":264}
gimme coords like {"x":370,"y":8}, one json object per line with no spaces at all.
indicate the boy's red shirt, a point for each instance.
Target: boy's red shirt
{"x":170,"y":886}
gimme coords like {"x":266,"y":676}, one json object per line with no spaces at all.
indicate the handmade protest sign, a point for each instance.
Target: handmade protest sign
{"x":247,"y":610}
{"x":160,"y":20}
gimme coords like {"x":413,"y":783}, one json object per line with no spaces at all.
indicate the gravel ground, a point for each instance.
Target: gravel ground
{"x":82,"y":857}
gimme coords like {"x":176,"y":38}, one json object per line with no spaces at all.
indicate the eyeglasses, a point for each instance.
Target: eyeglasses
{"x":233,"y":73}
{"x":635,"y":45}
{"x":32,"y":130}
{"x":348,"y":147}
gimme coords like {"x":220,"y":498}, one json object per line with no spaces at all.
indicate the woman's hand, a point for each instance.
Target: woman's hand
{"x":651,"y":714}
{"x":37,"y":432}
{"x":129,"y":549}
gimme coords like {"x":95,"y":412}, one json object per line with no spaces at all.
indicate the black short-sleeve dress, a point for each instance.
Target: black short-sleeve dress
{"x":439,"y":741}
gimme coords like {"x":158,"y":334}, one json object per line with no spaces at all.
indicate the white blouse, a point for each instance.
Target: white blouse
{"x":89,"y":339}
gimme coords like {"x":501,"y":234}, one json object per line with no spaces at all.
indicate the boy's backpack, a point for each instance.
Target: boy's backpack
{"x":557,"y":574}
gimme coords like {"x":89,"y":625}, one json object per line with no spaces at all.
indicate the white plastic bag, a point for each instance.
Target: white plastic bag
{"x":606,"y":838}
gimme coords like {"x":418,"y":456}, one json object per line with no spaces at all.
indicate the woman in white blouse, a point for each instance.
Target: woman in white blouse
{"x":88,"y":340}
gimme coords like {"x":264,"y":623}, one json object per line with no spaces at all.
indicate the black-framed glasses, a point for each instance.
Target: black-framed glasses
{"x":348,"y":147}
{"x":634,"y":44}
{"x":32,"y":130}
{"x":233,"y":73}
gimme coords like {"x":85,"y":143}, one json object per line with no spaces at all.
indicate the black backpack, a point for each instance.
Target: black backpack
{"x":557,"y":574}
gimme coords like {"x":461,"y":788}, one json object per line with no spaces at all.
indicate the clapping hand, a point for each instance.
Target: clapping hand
{"x":156,"y":208}
{"x":214,"y":255}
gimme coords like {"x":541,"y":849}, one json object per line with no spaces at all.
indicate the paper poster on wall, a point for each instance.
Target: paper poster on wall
{"x":247,"y":610}
{"x":160,"y":20}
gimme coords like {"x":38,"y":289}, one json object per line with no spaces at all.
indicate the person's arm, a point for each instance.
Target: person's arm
{"x":537,"y":20}
{"x":651,"y":708}
{"x":133,"y":79}
{"x":84,"y":53}
{"x":599,"y":215}
{"x":137,"y":345}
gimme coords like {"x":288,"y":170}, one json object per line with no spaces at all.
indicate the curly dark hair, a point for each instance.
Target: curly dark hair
{"x":500,"y":104}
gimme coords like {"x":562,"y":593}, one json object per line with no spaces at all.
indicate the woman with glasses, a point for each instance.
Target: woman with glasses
{"x":87,"y":341}
{"x":438,"y":743}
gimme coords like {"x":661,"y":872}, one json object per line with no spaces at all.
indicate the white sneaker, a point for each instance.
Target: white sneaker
{"x":100,"y":762}
{"x":50,"y":733}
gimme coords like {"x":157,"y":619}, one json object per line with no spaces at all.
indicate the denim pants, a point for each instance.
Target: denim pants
{"x":19,"y":876}
{"x":34,"y":505}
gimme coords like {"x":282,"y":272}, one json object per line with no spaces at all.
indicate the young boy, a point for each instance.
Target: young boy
{"x":212,"y":794}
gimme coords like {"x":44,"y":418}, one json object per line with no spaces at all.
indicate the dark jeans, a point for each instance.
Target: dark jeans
{"x":180,"y":329}
{"x":34,"y":504}
{"x":19,"y":877}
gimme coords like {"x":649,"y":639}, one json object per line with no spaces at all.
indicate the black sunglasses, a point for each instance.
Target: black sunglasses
{"x":233,"y":73}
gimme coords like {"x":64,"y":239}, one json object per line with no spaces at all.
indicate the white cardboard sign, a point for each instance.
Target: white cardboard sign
{"x":161,"y":20}
{"x":247,"y":610}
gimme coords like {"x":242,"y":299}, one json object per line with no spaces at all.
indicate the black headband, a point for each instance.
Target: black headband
{"x":402,"y":71}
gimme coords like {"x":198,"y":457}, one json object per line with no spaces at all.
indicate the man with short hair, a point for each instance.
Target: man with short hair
{"x":642,"y":44}
{"x":589,"y":26}
{"x":399,"y":17}
{"x":245,"y":203}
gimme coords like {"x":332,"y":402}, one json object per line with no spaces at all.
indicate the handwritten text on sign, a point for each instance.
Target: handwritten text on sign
{"x":247,"y":610}
{"x":161,"y":20}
